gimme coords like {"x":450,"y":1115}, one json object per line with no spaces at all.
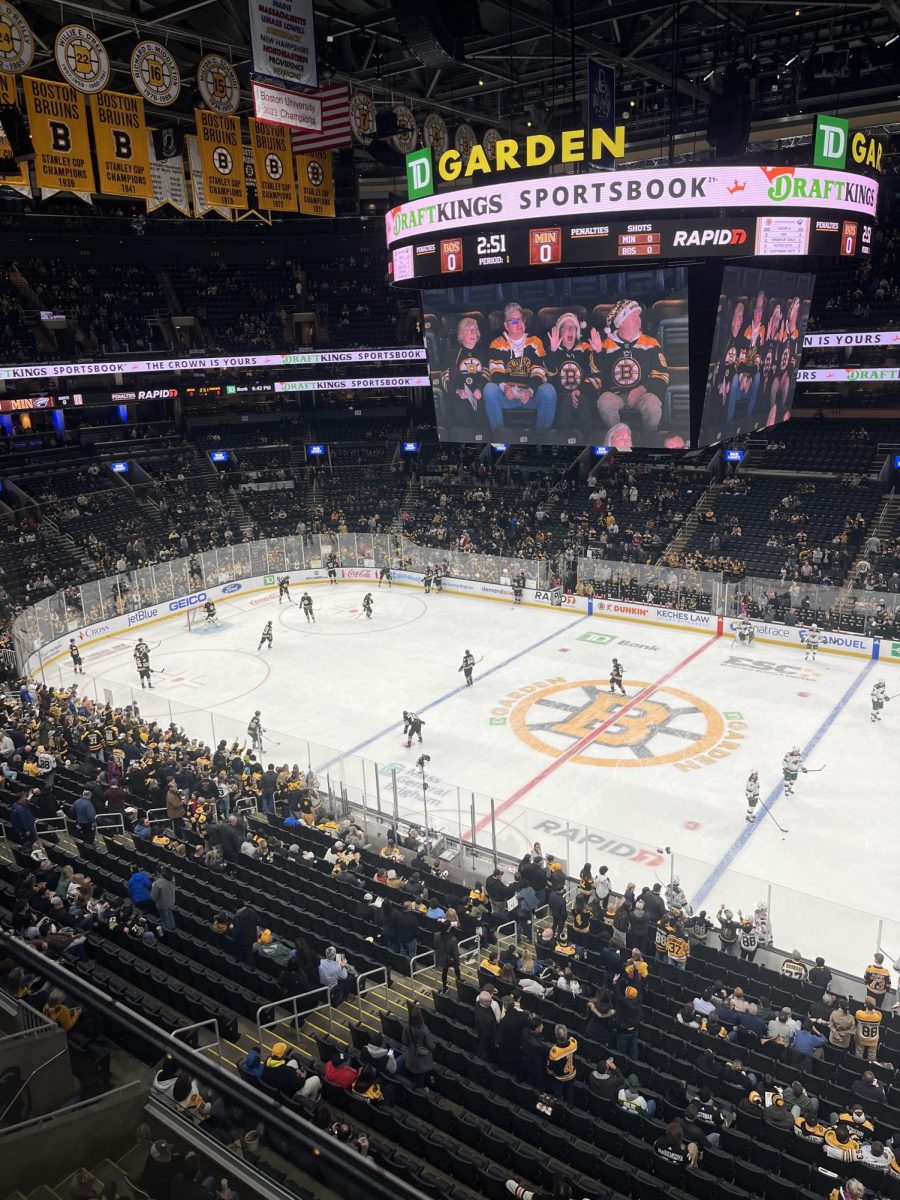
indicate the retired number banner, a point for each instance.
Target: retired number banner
{"x":59,"y":132}
{"x":120,"y":140}
{"x":221,"y":161}
{"x":272,"y":156}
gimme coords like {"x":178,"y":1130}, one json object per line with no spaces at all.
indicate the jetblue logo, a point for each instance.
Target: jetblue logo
{"x":231,"y":587}
{"x":143,"y":614}
{"x":187,"y":601}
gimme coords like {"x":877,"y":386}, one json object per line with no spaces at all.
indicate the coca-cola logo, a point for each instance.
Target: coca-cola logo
{"x":358,"y":573}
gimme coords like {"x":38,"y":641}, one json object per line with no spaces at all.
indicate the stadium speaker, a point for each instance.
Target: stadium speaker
{"x":15,"y":129}
{"x":730,"y":112}
{"x":428,"y":33}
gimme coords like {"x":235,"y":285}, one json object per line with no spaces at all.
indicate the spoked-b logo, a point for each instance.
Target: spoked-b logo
{"x":419,"y":173}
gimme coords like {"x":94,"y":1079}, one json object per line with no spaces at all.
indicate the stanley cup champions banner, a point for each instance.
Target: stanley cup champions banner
{"x":221,"y":163}
{"x":59,"y":132}
{"x":120,"y":141}
{"x":17,"y":179}
{"x":275,"y":188}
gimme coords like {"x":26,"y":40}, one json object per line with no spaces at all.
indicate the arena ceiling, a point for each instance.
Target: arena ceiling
{"x":508,"y":63}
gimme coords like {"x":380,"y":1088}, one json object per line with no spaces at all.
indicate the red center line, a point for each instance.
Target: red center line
{"x":593,"y":735}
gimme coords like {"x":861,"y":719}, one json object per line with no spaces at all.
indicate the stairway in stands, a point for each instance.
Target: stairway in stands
{"x":122,"y":1172}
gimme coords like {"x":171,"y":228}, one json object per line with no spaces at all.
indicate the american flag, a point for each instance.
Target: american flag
{"x":335,"y":133}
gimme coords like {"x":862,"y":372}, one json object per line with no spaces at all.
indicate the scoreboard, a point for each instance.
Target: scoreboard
{"x":527,"y":245}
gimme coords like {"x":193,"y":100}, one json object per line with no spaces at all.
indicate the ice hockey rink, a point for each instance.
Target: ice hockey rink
{"x":592,"y":777}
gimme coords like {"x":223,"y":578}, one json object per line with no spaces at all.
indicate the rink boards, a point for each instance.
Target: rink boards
{"x":853,"y":645}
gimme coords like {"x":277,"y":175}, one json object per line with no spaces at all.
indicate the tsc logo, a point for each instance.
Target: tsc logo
{"x":187,"y":601}
{"x":231,"y":587}
{"x":709,"y":237}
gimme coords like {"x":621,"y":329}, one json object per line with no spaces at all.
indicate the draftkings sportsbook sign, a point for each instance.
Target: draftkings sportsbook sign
{"x":635,"y":193}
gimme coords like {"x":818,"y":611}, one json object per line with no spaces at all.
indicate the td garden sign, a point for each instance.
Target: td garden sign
{"x":628,"y":194}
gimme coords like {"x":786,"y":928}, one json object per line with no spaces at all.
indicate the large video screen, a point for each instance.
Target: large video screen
{"x":756,"y":350}
{"x":575,"y":360}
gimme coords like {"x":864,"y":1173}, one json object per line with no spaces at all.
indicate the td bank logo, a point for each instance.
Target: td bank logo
{"x":830,"y":149}
{"x":671,"y":727}
{"x":597,"y":639}
{"x":419,"y":173}
{"x":895,"y":649}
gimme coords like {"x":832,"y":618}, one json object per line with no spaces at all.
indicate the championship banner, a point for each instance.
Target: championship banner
{"x":18,"y":180}
{"x":253,"y":204}
{"x":221,"y":164}
{"x":316,"y":184}
{"x":167,"y":185}
{"x":120,"y":143}
{"x":201,"y":205}
{"x":275,"y":188}
{"x":59,"y":132}
{"x":283,"y":38}
{"x":601,"y":97}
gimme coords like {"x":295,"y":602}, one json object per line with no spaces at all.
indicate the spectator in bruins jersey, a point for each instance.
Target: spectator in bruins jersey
{"x":460,"y":408}
{"x":568,"y":362}
{"x":631,"y":367}
{"x":518,"y":374}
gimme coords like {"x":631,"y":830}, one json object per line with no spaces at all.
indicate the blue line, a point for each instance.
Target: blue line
{"x":744,"y":837}
{"x":449,"y":695}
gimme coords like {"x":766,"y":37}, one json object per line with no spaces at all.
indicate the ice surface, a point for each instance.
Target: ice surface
{"x":669,"y":771}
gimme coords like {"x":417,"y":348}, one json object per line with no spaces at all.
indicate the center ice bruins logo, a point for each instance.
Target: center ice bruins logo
{"x":669,"y":727}
{"x":627,"y":371}
{"x":570,"y":376}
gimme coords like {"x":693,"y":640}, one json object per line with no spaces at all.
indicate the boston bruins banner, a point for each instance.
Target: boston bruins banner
{"x":17,"y":179}
{"x":219,"y":145}
{"x":201,"y":205}
{"x":120,"y":141}
{"x":271,"y":145}
{"x":59,"y":131}
{"x":316,"y":183}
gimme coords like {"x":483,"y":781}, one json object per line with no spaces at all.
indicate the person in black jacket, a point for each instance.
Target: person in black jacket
{"x":244,"y":931}
{"x":533,"y":1062}
{"x":558,"y":909}
{"x":459,"y":402}
{"x":513,"y":1023}
{"x":486,"y":1027}
{"x":446,"y":953}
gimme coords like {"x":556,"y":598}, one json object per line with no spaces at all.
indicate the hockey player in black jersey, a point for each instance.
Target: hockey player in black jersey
{"x":210,"y":610}
{"x":412,"y":726}
{"x":266,"y":637}
{"x":428,"y":577}
{"x":518,"y":586}
{"x":385,"y":574}
{"x":284,"y":589}
{"x":438,"y":580}
{"x":331,"y":564}
{"x":76,"y":657}
{"x":466,"y":666}
{"x":367,"y":605}
{"x":306,"y":604}
{"x":616,"y":672}
{"x":142,"y":662}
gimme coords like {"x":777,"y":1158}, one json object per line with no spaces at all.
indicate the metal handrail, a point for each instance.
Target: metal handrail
{"x":154,"y":818}
{"x":36,"y":1071}
{"x":295,"y":1013}
{"x":110,"y":821}
{"x":361,"y":991}
{"x":502,"y":931}
{"x":473,"y":945}
{"x":417,"y":958}
{"x":51,"y":825}
{"x":202,"y":1025}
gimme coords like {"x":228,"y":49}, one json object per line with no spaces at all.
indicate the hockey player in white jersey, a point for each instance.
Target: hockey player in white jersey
{"x":813,"y":637}
{"x":791,"y":766}
{"x":745,"y":632}
{"x":879,"y":698}
{"x":752,"y":794}
{"x":675,"y":897}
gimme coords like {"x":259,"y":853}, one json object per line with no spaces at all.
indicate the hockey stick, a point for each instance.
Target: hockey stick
{"x":815,"y":770}
{"x":765,"y":809}
{"x":157,"y":670}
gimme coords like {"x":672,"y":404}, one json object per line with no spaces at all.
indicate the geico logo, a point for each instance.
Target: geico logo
{"x":187,"y":601}
{"x":709,"y":237}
